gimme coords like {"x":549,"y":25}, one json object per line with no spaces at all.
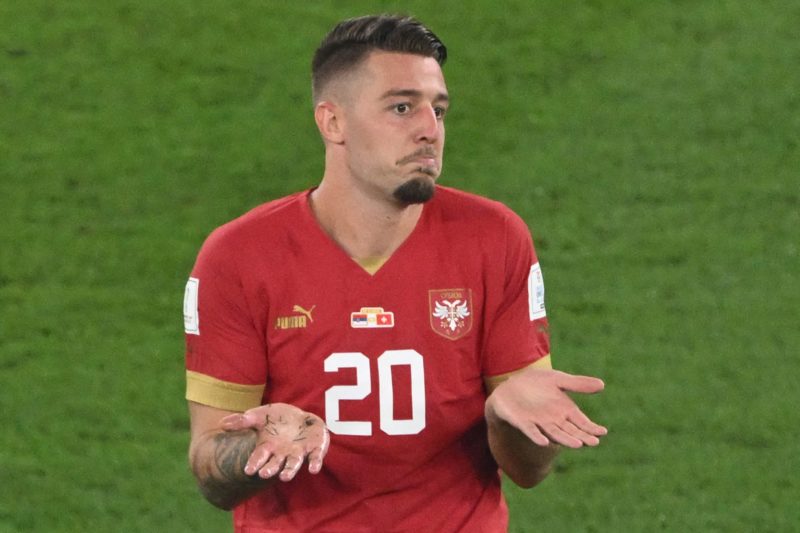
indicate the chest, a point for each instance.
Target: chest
{"x":395,"y":354}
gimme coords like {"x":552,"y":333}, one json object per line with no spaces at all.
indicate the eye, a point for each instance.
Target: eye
{"x":402,"y":109}
{"x":440,"y":111}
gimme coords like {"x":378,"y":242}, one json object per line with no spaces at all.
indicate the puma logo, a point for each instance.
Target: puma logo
{"x":295,"y":321}
{"x":298,"y":309}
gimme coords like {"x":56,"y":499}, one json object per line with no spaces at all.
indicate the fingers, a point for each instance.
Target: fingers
{"x":583,"y":384}
{"x":240,"y":421}
{"x":584,"y":438}
{"x":268,"y":462}
{"x":560,"y":436}
{"x":585,"y":424}
{"x":257,"y":461}
{"x":295,"y":461}
{"x":272,"y":467}
{"x":566,"y":434}
{"x":575,"y":432}
{"x":572,"y":429}
{"x":317,"y":455}
{"x":291,"y":467}
{"x":231,"y":422}
{"x":314,"y":462}
{"x":533,"y":432}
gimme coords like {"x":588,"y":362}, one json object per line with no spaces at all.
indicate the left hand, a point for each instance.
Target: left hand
{"x":535,"y":402}
{"x":287,"y":436}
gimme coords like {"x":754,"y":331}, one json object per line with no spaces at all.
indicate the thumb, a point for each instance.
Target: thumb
{"x":238,"y":421}
{"x":583,"y":384}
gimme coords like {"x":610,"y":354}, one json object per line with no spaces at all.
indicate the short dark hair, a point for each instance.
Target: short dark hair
{"x":349,"y":42}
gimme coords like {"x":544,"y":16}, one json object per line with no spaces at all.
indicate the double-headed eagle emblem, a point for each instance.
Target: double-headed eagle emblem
{"x":451,"y":312}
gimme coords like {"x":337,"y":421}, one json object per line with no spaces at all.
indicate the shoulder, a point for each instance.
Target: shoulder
{"x":475,"y":211}
{"x":255,"y":230}
{"x":261,"y":221}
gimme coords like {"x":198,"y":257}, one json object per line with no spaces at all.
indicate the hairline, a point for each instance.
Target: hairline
{"x":352,"y":71}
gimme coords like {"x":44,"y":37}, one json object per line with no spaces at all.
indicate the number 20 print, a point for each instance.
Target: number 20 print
{"x":363,"y":387}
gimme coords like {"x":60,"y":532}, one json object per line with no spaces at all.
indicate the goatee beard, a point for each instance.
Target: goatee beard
{"x":415,"y":191}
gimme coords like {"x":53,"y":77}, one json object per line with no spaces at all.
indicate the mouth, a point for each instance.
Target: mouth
{"x":425,"y":165}
{"x":424,"y":157}
{"x":431,"y":171}
{"x":426,"y":162}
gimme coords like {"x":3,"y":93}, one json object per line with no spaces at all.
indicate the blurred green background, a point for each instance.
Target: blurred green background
{"x":652,"y":147}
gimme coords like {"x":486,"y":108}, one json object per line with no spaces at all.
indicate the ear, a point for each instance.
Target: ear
{"x":329,"y":119}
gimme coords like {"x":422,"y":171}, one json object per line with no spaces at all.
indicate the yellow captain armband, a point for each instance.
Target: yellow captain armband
{"x":221,"y":394}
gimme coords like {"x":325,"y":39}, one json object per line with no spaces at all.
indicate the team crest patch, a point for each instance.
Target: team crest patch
{"x":451,"y":312}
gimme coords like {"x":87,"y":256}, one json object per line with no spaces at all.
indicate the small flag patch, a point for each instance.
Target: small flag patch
{"x":372,"y":317}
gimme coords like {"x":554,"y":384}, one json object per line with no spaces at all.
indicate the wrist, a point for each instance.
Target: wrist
{"x":491,"y":415}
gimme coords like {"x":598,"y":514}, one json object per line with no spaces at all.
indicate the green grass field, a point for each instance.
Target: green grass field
{"x":653,"y":148}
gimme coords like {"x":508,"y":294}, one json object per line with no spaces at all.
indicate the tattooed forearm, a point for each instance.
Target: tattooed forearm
{"x":231,"y":451}
{"x":278,"y":439}
{"x":225,"y":483}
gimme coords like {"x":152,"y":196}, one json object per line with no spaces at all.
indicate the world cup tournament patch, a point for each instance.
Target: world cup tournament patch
{"x":372,"y":317}
{"x":536,"y":293}
{"x":191,"y":316}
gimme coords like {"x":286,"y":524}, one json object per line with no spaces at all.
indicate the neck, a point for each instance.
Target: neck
{"x":363,"y":227}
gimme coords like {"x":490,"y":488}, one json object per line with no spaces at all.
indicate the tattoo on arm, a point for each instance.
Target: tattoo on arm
{"x":225,"y":484}
{"x":231,"y":452}
{"x":221,"y":475}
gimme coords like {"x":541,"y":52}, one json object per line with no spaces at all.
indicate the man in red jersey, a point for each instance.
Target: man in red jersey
{"x":391,"y":327}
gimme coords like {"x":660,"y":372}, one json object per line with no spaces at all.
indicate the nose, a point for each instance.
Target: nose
{"x":429,"y":127}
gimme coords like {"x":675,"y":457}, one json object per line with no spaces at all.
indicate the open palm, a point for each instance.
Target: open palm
{"x":287,"y":436}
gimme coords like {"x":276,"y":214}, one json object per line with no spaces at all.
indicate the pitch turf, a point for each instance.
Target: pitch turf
{"x":651,"y":146}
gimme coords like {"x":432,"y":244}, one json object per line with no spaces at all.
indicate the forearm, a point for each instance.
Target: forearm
{"x":523,"y":461}
{"x":218,"y":462}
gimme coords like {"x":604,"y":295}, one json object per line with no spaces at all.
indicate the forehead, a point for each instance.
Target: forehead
{"x":387,"y":71}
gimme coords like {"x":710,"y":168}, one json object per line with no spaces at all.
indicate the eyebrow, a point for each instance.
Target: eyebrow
{"x":413,"y":93}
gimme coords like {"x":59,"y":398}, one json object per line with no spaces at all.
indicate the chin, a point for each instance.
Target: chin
{"x":417,"y":190}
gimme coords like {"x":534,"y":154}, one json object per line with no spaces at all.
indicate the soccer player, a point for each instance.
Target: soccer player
{"x":387,"y":331}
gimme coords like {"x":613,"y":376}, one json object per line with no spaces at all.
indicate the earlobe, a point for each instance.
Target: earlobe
{"x":329,"y":121}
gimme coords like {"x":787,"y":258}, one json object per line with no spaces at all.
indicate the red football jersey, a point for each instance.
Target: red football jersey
{"x":393,"y":362}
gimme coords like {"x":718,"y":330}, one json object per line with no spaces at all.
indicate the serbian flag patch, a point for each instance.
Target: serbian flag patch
{"x":372,"y":317}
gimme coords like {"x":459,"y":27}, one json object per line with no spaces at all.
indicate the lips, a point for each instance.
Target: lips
{"x":424,"y":157}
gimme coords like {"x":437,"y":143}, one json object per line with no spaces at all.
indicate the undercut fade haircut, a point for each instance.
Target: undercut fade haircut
{"x":350,"y":41}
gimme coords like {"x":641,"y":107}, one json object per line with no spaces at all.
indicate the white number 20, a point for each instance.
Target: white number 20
{"x":363,"y":387}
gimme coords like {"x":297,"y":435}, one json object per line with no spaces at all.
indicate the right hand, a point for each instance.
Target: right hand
{"x":535,"y":401}
{"x":287,"y":436}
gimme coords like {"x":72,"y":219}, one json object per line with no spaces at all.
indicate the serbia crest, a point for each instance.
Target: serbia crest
{"x":450,"y":312}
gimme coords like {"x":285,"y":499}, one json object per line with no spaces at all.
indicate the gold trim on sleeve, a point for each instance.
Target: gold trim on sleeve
{"x":214,"y":392}
{"x":544,"y":362}
{"x":493,"y":381}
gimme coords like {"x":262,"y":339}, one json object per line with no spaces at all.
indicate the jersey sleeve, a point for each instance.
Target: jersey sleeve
{"x":517,"y":333}
{"x":226,"y":363}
